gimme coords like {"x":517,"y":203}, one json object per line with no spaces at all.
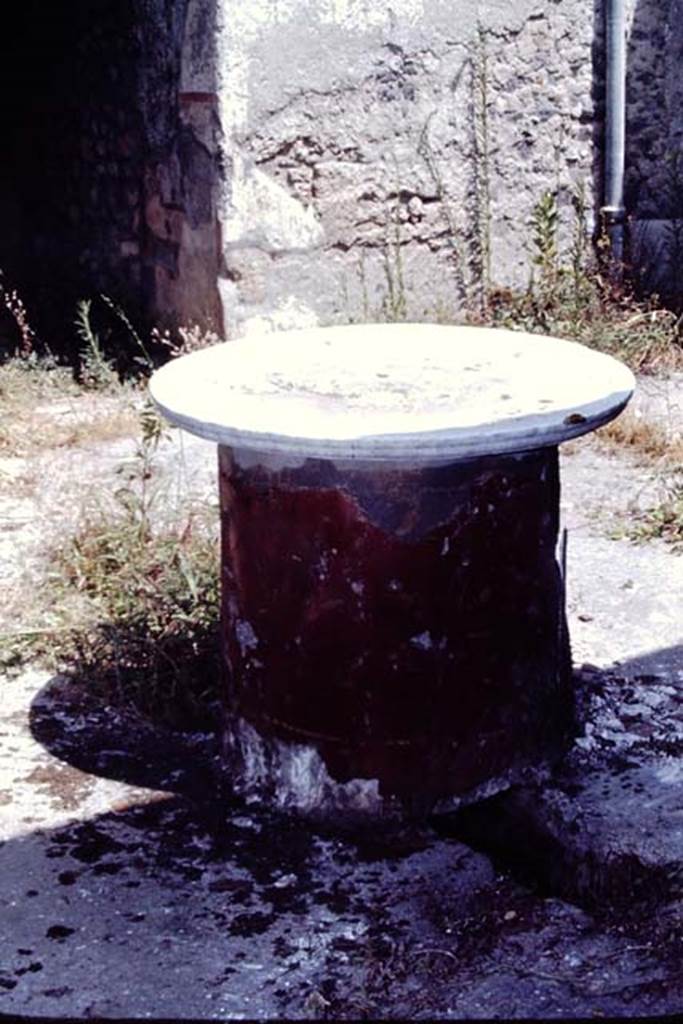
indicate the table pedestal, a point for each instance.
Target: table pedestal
{"x":395,"y":639}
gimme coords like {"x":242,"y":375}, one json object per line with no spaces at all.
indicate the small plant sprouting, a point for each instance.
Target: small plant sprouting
{"x":579,"y":251}
{"x":144,"y":359}
{"x":95,"y":370}
{"x":569,"y":296}
{"x":137,"y":495}
{"x":362,"y":276}
{"x":152,"y":587}
{"x":663,"y":521}
{"x":13,"y":303}
{"x":395,"y":304}
{"x":188,"y":339}
{"x":482,"y":162}
{"x":456,"y":243}
{"x":544,"y":254}
{"x":471,"y":246}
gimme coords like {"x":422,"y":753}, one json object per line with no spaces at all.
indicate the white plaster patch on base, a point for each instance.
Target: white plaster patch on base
{"x":293,"y":776}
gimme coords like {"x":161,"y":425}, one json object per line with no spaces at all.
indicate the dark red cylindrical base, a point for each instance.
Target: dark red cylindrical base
{"x":395,"y":639}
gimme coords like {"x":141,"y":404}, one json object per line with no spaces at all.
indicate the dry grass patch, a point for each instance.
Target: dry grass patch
{"x":91,"y":419}
{"x":129,"y":602}
{"x":42,"y":430}
{"x":644,"y":438}
{"x":44,"y":408}
{"x":146,"y":602}
{"x":663,"y":521}
{"x":660,"y":446}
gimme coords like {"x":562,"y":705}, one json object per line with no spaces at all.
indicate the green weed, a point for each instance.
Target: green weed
{"x":95,"y":370}
{"x":568,"y":296}
{"x":138,"y":600}
{"x":663,"y":521}
{"x":482,"y":163}
{"x":394,"y":306}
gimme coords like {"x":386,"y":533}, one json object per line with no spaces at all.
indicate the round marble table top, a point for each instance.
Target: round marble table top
{"x":412,"y":394}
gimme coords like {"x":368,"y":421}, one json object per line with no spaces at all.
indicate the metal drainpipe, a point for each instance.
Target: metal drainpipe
{"x":613,"y":213}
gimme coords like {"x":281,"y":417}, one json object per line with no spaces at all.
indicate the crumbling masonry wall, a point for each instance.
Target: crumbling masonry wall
{"x":654,"y":142}
{"x":280,"y":163}
{"x":386,"y":161}
{"x":108,"y":169}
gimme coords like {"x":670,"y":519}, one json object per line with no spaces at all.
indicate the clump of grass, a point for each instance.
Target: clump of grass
{"x":644,"y":438}
{"x":153,"y":637}
{"x":134,"y":594}
{"x":95,"y":370}
{"x":569,"y":296}
{"x":153,"y":586}
{"x":134,"y":358}
{"x":663,"y":521}
{"x":138,"y":593}
{"x":642,"y":334}
{"x":26,"y":375}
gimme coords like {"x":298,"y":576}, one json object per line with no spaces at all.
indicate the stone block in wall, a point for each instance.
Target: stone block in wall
{"x":163,"y":221}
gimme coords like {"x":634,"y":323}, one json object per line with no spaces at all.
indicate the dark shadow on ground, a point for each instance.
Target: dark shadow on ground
{"x":602,"y":829}
{"x":76,"y":727}
{"x":189,"y":908}
{"x":628,"y":720}
{"x":143,"y":912}
{"x":664,"y":663}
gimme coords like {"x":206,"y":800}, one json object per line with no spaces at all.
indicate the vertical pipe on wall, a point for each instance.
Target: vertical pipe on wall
{"x":615,"y":130}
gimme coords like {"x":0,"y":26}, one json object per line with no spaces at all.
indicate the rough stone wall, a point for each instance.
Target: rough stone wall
{"x":71,"y":169}
{"x":654,"y":114}
{"x":288,"y":162}
{"x":381,"y":155}
{"x":170,"y":242}
{"x":654,"y":141}
{"x":107,"y":179}
{"x":178,"y":102}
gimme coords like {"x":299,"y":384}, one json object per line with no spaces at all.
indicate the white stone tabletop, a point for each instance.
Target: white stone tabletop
{"x":410,"y":394}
